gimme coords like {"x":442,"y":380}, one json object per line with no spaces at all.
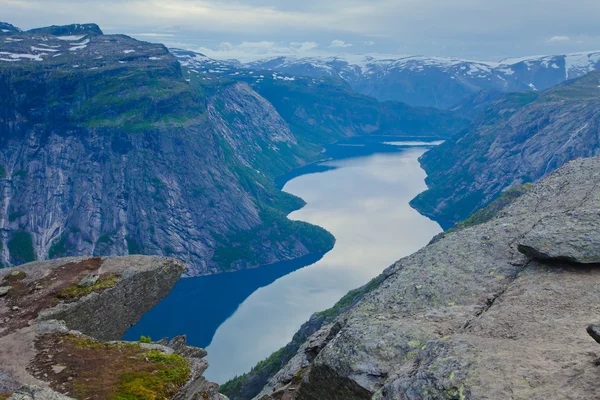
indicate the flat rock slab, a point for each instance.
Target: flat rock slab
{"x":566,"y":237}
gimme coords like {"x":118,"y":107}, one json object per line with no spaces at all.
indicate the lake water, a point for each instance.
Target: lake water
{"x":362,"y":199}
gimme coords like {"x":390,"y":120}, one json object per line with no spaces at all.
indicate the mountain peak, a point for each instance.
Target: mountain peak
{"x":73,"y":29}
{"x":5,"y":27}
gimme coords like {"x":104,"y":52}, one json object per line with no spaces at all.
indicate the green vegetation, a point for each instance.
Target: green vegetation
{"x":274,"y":206}
{"x":20,"y":246}
{"x":124,"y":371}
{"x":270,"y":365}
{"x":151,"y":102}
{"x":276,"y":227}
{"x":19,"y":174}
{"x":133,"y":247}
{"x":58,"y":248}
{"x":106,"y":238}
{"x":15,"y":277}
{"x":171,"y":371}
{"x":75,"y":292}
{"x":13,"y":216}
{"x":350,"y":299}
{"x":490,"y":211}
{"x":486,"y":214}
{"x":146,"y":339}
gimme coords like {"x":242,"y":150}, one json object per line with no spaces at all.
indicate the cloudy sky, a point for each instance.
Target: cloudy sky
{"x":250,"y":29}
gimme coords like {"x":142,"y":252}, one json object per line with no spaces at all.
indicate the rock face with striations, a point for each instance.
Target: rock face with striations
{"x":53,"y":332}
{"x":470,"y":316}
{"x":106,"y":148}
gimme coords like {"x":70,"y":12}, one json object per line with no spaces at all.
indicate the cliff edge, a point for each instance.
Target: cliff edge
{"x":492,"y":311}
{"x":62,"y":321}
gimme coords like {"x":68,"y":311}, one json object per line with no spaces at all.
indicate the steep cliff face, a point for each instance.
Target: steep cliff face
{"x":107,"y":149}
{"x":58,"y":314}
{"x":520,"y":138}
{"x":485,"y":312}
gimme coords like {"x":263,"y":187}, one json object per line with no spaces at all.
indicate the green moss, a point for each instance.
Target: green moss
{"x":145,"y":339}
{"x":15,"y":277}
{"x":20,"y":246}
{"x":75,"y":292}
{"x":170,"y":373}
{"x":134,"y":373}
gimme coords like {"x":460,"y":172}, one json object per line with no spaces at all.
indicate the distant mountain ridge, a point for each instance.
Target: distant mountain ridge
{"x":323,"y":109}
{"x":436,"y":81}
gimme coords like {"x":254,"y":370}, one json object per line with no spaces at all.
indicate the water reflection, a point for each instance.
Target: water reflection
{"x":364,"y":202}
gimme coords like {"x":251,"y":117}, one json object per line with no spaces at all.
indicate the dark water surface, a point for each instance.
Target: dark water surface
{"x":361,"y":197}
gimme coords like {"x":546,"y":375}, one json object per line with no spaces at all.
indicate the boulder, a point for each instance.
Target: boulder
{"x":571,"y":237}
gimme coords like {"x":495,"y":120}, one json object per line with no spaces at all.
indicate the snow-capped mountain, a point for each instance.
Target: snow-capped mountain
{"x":435,"y":81}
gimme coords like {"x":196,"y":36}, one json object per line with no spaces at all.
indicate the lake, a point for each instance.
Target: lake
{"x":362,"y":197}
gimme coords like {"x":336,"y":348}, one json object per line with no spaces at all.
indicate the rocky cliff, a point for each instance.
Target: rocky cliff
{"x":520,"y":138}
{"x":58,"y":315}
{"x":106,"y":148}
{"x":491,"y":311}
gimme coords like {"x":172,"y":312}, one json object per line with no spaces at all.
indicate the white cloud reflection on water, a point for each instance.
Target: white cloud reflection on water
{"x":364,"y":204}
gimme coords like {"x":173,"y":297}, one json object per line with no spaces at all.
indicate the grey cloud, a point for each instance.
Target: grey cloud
{"x":484,"y":29}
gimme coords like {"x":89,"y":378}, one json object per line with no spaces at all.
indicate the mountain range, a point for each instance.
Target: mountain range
{"x":435,"y":81}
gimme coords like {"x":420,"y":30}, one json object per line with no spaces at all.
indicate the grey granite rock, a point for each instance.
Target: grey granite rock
{"x":565,"y":237}
{"x":107,"y":315}
{"x":468,"y":317}
{"x":89,"y":280}
{"x":4,"y":290}
{"x":179,"y":345}
{"x":31,"y":392}
{"x":594,"y":332}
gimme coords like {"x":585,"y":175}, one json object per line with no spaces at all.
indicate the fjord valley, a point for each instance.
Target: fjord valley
{"x":111,"y":147}
{"x":162,"y":210}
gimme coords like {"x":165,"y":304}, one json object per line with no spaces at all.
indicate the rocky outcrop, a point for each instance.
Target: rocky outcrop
{"x":520,"y":138}
{"x":565,"y":237}
{"x":469,"y":316}
{"x":143,"y":281}
{"x":54,"y":332}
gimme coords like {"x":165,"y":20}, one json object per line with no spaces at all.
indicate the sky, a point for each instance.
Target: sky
{"x":253,"y":29}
